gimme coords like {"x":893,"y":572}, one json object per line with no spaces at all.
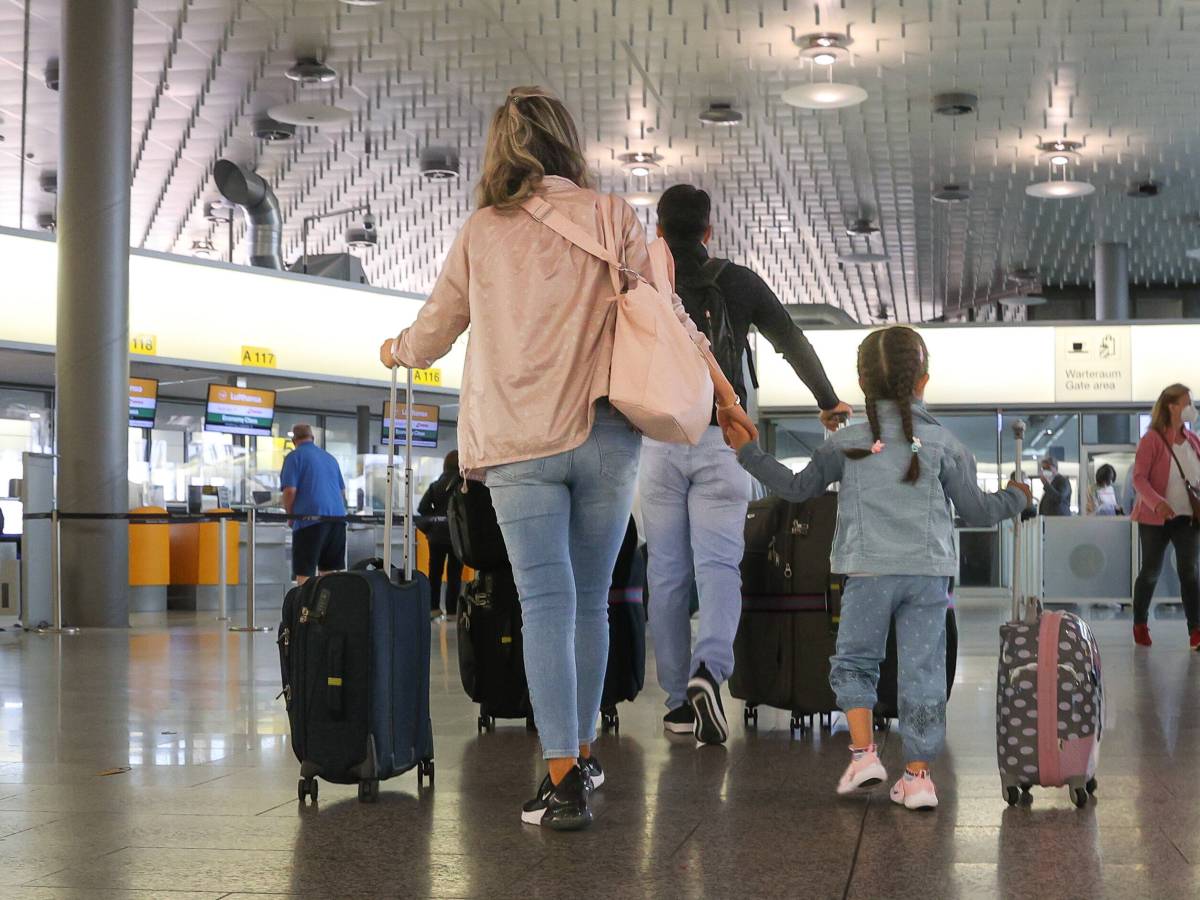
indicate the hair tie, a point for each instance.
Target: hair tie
{"x":878,"y":446}
{"x":916,"y":445}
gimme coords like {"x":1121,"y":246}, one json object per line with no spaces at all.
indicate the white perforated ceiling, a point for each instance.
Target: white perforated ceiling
{"x":1117,"y":75}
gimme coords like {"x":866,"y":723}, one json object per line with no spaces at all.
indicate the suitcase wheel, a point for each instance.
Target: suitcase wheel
{"x":425,"y":771}
{"x":307,"y":787}
{"x":368,"y":790}
{"x":610,"y":720}
{"x":1079,"y":796}
{"x":1012,"y":795}
{"x":750,"y":716}
{"x":1091,"y":786}
{"x":798,"y":723}
{"x":486,"y":723}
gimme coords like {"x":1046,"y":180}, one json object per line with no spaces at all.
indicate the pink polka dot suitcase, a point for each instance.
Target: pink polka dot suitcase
{"x":1049,"y":692}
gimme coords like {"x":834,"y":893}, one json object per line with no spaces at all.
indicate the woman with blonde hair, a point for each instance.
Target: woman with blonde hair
{"x":1166,"y":477}
{"x":560,"y":461}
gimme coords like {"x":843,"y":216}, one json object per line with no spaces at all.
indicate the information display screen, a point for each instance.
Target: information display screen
{"x":143,"y":402}
{"x":425,"y":425}
{"x":235,"y":410}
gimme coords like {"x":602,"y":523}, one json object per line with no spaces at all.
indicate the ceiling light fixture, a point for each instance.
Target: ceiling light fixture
{"x":1059,"y":153}
{"x":952,"y":193}
{"x":823,"y":48}
{"x":309,"y":70}
{"x":828,"y":94}
{"x":955,"y":103}
{"x":363,"y":237}
{"x":642,"y":198}
{"x":639,"y":164}
{"x":720,"y":112}
{"x":1023,"y":300}
{"x":1058,"y":156}
{"x":439,"y":163}
{"x":314,"y":115}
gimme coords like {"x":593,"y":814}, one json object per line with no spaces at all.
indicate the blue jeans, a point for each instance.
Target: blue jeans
{"x":563,"y":518}
{"x":694,"y":503}
{"x":919,"y":604}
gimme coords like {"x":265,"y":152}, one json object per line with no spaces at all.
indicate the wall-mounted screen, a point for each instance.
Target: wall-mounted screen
{"x":143,"y":402}
{"x":425,"y":425}
{"x":235,"y":410}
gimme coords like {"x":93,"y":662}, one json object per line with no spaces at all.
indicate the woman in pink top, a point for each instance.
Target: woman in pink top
{"x":561,"y":463}
{"x":1166,"y":467}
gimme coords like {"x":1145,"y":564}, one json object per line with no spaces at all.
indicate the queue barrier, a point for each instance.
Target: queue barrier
{"x":250,"y":517}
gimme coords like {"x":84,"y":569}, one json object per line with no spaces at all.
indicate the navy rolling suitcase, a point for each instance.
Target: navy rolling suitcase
{"x":354,"y":653}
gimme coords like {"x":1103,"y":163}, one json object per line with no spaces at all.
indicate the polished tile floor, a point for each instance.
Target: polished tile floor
{"x":155,"y":763}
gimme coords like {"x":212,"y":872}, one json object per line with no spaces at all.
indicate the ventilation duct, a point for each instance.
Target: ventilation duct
{"x":806,"y":315}
{"x":254,"y":197}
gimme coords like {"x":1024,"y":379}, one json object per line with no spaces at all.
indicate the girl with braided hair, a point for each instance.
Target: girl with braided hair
{"x":900,"y":472}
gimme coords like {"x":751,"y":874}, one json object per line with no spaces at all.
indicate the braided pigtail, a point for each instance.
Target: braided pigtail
{"x":871,"y":378}
{"x":906,"y":362}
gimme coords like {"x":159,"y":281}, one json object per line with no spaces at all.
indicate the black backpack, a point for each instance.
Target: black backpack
{"x":705,"y":303}
{"x":474,"y":532}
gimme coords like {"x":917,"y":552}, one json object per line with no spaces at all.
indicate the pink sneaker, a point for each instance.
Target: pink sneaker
{"x":865,"y":770}
{"x":915,"y":791}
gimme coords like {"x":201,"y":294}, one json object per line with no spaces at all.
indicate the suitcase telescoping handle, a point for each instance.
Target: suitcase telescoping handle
{"x":1018,"y":430}
{"x":389,"y":503}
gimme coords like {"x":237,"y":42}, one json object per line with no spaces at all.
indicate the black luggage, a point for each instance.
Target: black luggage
{"x":626,"y":673}
{"x":474,"y":532}
{"x":491,"y":658}
{"x":354,"y":654}
{"x":887,"y":704}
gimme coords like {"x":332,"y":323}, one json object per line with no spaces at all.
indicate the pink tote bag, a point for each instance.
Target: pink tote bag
{"x":659,"y":379}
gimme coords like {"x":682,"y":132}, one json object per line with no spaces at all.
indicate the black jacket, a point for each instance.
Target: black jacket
{"x":432,"y":509}
{"x":751,"y":303}
{"x":1056,"y":497}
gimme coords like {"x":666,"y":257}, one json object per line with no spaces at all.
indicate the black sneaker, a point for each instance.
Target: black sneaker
{"x":593,"y":772}
{"x":705,"y":696}
{"x":563,"y":807}
{"x":681,"y":720}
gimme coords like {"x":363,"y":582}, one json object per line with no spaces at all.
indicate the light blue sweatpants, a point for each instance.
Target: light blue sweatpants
{"x":918,"y":603}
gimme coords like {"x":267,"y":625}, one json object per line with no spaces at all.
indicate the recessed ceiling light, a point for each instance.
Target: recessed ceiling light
{"x":1059,"y":190}
{"x":861,"y":228}
{"x":204,"y":249}
{"x":439,"y":163}
{"x":952,"y":193}
{"x":1193,"y":253}
{"x":955,"y":103}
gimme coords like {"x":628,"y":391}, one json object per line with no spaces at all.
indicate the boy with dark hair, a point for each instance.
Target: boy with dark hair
{"x":694,"y":499}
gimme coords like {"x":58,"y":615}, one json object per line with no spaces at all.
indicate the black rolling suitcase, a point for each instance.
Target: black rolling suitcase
{"x":887,"y":705}
{"x":491,"y":658}
{"x":790,"y":607}
{"x":354,"y":653}
{"x":626,"y":673}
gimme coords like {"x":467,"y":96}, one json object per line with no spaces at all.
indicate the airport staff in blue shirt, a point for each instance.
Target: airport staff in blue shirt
{"x":312,"y":486}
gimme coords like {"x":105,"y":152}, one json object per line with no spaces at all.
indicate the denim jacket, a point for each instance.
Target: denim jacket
{"x":886,"y":526}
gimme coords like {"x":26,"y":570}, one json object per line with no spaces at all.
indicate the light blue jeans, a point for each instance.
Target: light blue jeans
{"x":563,"y":518}
{"x":694,"y":503}
{"x":919,"y":604}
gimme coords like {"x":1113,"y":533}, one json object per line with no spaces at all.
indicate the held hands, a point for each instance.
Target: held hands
{"x":736,"y":426}
{"x":1024,"y":489}
{"x":386,"y":350}
{"x":834,"y":418}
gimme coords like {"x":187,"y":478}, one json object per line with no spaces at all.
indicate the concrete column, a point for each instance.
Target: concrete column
{"x":92,"y":359}
{"x":1112,"y":282}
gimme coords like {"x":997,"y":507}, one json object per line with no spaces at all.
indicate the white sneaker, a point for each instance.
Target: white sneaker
{"x":917,"y":792}
{"x":864,"y":772}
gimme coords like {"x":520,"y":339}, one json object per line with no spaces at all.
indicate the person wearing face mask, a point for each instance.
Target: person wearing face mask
{"x":1056,"y":489}
{"x":1166,"y":474}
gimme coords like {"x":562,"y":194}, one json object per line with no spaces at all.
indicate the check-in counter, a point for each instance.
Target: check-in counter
{"x":149,"y":562}
{"x":194,"y":572}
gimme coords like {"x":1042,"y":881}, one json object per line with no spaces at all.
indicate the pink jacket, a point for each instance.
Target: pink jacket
{"x":542,"y":324}
{"x":1151,"y":471}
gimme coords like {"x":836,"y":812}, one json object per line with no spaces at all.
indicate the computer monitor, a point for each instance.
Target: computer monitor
{"x":143,"y":402}
{"x":235,"y":410}
{"x":425,"y":425}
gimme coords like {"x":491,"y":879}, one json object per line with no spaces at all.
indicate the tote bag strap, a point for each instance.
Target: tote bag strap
{"x":545,"y":213}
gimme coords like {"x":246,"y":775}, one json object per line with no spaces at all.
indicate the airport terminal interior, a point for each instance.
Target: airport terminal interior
{"x":213,"y":211}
